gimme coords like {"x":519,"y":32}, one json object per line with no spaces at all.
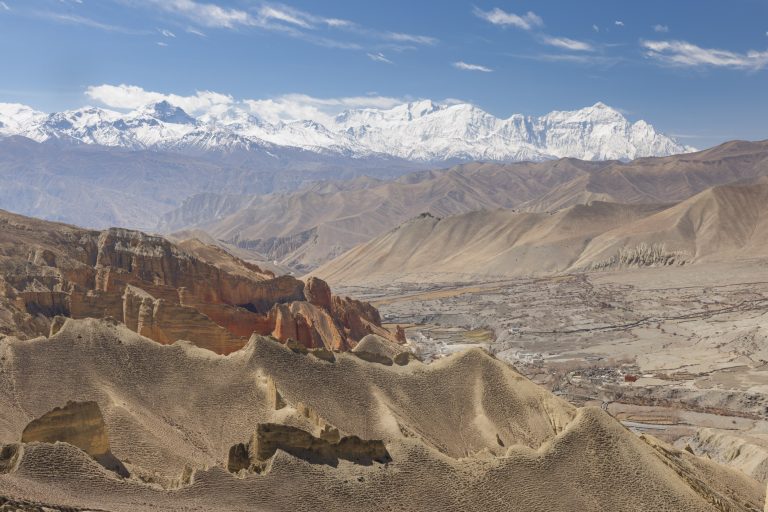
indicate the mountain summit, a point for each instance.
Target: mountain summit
{"x":422,"y":131}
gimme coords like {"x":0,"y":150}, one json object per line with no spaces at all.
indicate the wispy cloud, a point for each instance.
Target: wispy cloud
{"x":503,"y":18}
{"x":379,"y":57}
{"x":207,"y":14}
{"x":683,"y":53}
{"x":280,"y":18}
{"x":290,"y":16}
{"x":568,"y":44}
{"x":471,"y":67}
{"x":595,"y":28}
{"x":192,"y":30}
{"x":167,"y":33}
{"x":661,"y":28}
{"x":4,"y":6}
{"x":161,"y":43}
{"x":574,"y":58}
{"x":409,"y":38}
{"x":74,"y":19}
{"x":618,"y":23}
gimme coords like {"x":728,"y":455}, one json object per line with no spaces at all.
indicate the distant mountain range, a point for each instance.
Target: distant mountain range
{"x":421,"y":131}
{"x":307,"y":228}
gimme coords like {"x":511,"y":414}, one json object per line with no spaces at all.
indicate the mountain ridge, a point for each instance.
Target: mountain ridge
{"x":343,"y":215}
{"x":423,"y":131}
{"x":722,"y":223}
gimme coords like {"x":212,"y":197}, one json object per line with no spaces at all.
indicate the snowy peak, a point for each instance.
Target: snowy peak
{"x":164,"y":111}
{"x":420,"y":130}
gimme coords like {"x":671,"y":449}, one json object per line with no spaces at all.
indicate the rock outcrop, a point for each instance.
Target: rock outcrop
{"x":206,"y":296}
{"x":270,"y":437}
{"x":375,"y":349}
{"x":310,"y":325}
{"x":80,"y":424}
{"x":318,"y":293}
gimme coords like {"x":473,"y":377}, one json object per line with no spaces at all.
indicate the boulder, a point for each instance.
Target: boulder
{"x":80,"y":424}
{"x":270,"y":437}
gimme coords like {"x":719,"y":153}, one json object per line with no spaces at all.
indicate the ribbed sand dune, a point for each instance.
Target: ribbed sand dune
{"x":464,"y":433}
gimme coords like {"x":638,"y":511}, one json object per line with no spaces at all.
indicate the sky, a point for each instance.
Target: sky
{"x":695,"y":69}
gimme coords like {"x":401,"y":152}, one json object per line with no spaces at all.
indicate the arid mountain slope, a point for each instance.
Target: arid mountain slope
{"x":729,"y":222}
{"x":307,"y":228}
{"x":466,"y":432}
{"x":721,"y":223}
{"x":482,"y":243}
{"x":202,"y":294}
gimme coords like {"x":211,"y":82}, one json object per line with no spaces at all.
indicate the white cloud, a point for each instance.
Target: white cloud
{"x":409,"y":38}
{"x":267,"y":12}
{"x":471,"y":67}
{"x":280,"y":18}
{"x":595,"y":28}
{"x":335,"y":22}
{"x":683,"y":53}
{"x":288,"y":107}
{"x":206,"y":14}
{"x":167,"y":33}
{"x":196,"y":32}
{"x":497,"y":16}
{"x":618,"y":23}
{"x":568,"y":44}
{"x":4,"y":6}
{"x":131,"y":97}
{"x":160,"y":43}
{"x":291,"y":107}
{"x":661,"y":28}
{"x":379,"y":57}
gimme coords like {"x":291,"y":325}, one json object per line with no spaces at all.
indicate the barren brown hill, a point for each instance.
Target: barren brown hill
{"x":483,"y":243}
{"x":305,"y":229}
{"x":202,"y":294}
{"x":307,"y":433}
{"x":722,"y":223}
{"x":725,"y":223}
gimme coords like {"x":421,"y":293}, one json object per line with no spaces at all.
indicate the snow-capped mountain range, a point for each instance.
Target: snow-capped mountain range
{"x":420,"y":131}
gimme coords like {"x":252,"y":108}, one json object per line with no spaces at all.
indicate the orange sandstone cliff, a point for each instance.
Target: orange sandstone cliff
{"x":162,"y":291}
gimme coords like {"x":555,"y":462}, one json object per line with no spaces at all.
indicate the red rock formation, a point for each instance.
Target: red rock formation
{"x":318,"y":293}
{"x":337,"y":327}
{"x":166,"y":322}
{"x":163,"y":292}
{"x":308,"y":324}
{"x":358,"y":319}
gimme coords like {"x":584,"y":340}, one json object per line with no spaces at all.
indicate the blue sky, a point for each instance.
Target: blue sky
{"x":696,"y":69}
